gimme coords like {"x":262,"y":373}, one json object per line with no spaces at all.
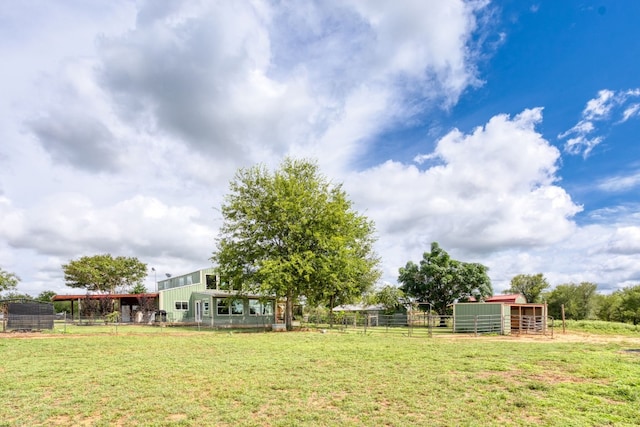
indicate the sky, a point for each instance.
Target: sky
{"x":506,"y":131}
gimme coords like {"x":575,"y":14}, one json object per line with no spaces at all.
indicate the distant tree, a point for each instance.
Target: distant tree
{"x":8,"y":281}
{"x":578,"y":300}
{"x":16,"y":295}
{"x":139,"y":288}
{"x":58,"y":306}
{"x":292,"y":233}
{"x":610,"y":307}
{"x":440,"y":281}
{"x":391,"y":297}
{"x":46,"y":296}
{"x":630,"y":304}
{"x":104,"y":273}
{"x":529,"y":285}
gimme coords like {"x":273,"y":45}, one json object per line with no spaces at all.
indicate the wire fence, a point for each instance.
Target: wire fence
{"x":424,"y":324}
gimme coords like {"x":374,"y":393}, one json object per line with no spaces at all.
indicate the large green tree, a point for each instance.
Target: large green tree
{"x":578,"y":300}
{"x":104,"y":273}
{"x":440,"y":280}
{"x":8,"y":281}
{"x":529,"y":285}
{"x":291,"y":233}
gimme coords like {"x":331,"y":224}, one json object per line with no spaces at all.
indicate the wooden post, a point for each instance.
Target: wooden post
{"x":563,"y":324}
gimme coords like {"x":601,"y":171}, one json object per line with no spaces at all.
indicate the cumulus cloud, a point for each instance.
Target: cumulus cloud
{"x":238,"y":79}
{"x":79,"y":140}
{"x":608,"y":108}
{"x":494,"y":189}
{"x":69,"y":224}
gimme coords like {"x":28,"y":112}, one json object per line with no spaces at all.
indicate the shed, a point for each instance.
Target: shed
{"x":128,"y":304}
{"x":25,"y":314}
{"x":504,"y":314}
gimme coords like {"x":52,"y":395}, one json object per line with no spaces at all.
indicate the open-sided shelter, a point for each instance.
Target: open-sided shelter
{"x":504,"y":314}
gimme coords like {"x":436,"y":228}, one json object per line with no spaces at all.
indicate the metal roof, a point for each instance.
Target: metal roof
{"x":101,"y":296}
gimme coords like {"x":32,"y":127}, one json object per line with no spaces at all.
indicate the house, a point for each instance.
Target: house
{"x":194,"y":298}
{"x":504,"y":314}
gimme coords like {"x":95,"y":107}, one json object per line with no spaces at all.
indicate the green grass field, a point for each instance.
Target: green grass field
{"x":170,"y":376}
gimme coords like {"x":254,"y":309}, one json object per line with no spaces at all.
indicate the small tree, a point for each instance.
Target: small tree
{"x":139,"y":288}
{"x":8,"y":281}
{"x":390,"y":297}
{"x":147,"y":306}
{"x":290,"y":234}
{"x":529,"y":285}
{"x":104,"y":273}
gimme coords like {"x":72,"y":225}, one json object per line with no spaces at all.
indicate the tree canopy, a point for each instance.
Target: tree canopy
{"x":291,"y":233}
{"x":104,"y":273}
{"x":390,"y":297}
{"x":578,"y":300}
{"x":622,"y":305}
{"x":529,"y":285}
{"x":8,"y":281}
{"x":440,"y":280}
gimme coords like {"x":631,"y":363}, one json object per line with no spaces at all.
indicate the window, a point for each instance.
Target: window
{"x":206,"y":307}
{"x":258,"y":308}
{"x":211,"y":282}
{"x":236,"y":307}
{"x":182,"y":305}
{"x":223,"y":307}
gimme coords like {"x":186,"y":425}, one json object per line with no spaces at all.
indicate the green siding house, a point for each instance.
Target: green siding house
{"x":196,"y":298}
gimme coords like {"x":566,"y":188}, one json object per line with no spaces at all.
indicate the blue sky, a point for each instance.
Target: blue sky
{"x":504,"y":130}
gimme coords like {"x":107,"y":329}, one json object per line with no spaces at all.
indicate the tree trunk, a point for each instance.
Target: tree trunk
{"x":331,"y":301}
{"x":288,"y":313}
{"x":443,"y":321}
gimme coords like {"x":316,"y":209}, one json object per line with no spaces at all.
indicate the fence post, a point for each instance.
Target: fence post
{"x":475,"y":325}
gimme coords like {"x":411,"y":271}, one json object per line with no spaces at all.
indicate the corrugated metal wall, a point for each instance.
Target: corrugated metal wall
{"x":184,"y":293}
{"x":480,"y":317}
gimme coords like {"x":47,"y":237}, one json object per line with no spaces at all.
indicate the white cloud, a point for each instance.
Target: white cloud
{"x":620,"y":182}
{"x":631,"y":111}
{"x":493,"y":191}
{"x":607,"y":104}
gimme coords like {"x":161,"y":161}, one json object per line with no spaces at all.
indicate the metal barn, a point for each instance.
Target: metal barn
{"x":499,"y":317}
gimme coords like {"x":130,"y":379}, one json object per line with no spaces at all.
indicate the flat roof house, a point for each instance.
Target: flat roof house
{"x":196,"y":297}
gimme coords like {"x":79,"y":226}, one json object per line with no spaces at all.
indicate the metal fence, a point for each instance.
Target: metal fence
{"x":423,"y":324}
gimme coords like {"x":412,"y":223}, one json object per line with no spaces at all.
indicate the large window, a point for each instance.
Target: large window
{"x":258,"y":308}
{"x":182,"y":305}
{"x":235,"y":307}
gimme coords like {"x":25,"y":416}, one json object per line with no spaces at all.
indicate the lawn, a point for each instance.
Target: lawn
{"x":153,"y":376}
